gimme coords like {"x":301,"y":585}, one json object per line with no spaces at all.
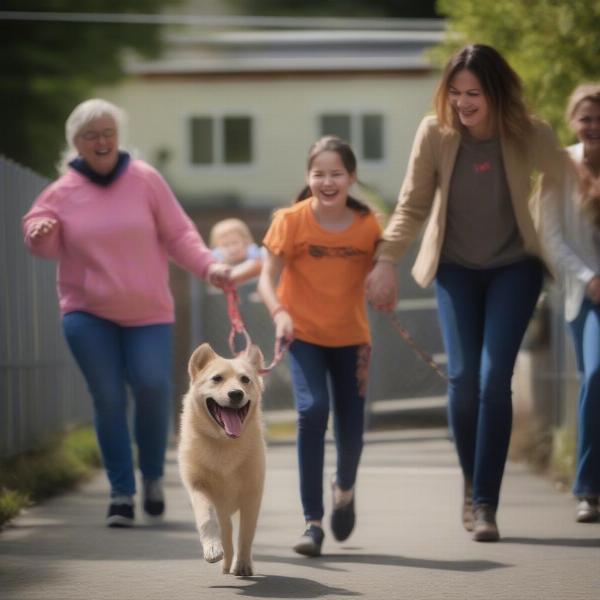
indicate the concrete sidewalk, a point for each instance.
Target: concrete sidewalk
{"x":409,"y":542}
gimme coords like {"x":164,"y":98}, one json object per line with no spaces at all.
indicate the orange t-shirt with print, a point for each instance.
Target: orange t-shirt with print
{"x":322,"y":284}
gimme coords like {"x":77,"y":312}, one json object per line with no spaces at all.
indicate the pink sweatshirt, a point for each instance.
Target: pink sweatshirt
{"x":113,"y":243}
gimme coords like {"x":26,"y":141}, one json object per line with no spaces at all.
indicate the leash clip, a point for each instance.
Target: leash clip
{"x":238,"y":329}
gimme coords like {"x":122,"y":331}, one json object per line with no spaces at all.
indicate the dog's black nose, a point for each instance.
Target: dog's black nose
{"x":236,"y":396}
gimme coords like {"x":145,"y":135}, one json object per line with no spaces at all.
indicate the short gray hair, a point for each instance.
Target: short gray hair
{"x":83,"y":114}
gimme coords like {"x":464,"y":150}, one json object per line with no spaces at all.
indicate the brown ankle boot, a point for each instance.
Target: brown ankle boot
{"x":485,"y":528}
{"x":467,"y":507}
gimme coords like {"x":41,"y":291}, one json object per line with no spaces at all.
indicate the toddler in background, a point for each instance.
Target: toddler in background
{"x":232,"y":243}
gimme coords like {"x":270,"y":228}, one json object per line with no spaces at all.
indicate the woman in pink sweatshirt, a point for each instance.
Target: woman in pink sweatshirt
{"x":112,"y":224}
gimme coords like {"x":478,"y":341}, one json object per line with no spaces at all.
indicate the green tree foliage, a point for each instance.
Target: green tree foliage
{"x":339,"y":8}
{"x":554,"y":45}
{"x":47,"y":67}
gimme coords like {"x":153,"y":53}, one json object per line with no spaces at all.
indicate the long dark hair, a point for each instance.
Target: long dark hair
{"x":500,"y":84}
{"x":331,"y":143}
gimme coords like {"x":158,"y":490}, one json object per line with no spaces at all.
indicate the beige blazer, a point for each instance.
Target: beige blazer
{"x":424,"y":192}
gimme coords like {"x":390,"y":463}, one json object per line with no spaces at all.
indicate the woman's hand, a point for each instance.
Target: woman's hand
{"x":284,"y":326}
{"x":42,"y":228}
{"x":219,"y":274}
{"x":381,"y":286}
{"x":593,"y":289}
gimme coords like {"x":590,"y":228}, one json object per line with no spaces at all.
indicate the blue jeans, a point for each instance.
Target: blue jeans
{"x":586,"y":335}
{"x":346,"y":369}
{"x":484,"y":314}
{"x":111,"y":357}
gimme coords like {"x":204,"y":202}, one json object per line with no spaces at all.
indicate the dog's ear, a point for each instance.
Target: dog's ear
{"x":255,"y":357}
{"x":201,"y":356}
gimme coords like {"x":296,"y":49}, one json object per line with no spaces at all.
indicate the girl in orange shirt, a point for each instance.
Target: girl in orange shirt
{"x":319,"y":253}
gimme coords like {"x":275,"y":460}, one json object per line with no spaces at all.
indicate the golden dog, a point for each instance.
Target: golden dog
{"x":222,"y":452}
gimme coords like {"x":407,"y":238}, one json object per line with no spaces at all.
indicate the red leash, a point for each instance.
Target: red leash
{"x":282,"y":344}
{"x":415,"y":347}
{"x":238,"y":328}
{"x":237,"y":324}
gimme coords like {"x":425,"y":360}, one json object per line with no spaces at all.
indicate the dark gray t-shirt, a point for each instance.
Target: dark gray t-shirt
{"x":481,"y":230}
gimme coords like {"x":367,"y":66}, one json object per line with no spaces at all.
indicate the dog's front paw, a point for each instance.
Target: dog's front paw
{"x":213,"y":551}
{"x":242,"y":568}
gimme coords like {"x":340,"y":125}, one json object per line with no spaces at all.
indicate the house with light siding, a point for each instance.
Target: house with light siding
{"x":228,"y":116}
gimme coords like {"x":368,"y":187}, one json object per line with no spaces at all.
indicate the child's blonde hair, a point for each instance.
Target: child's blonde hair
{"x":230,"y":226}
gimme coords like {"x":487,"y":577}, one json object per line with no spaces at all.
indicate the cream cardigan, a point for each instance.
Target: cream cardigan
{"x":570,"y":238}
{"x":425,"y":188}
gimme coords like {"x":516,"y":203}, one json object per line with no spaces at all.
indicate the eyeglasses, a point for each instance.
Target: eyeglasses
{"x":92,"y":136}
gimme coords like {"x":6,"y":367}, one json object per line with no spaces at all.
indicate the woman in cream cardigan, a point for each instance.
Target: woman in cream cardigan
{"x":571,"y":225}
{"x":470,"y":173}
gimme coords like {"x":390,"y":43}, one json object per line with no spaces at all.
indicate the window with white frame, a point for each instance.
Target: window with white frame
{"x":364,"y":131}
{"x":225,"y":140}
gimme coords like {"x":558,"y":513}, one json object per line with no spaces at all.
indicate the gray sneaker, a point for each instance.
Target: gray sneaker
{"x":587,"y":510}
{"x":310,"y":542}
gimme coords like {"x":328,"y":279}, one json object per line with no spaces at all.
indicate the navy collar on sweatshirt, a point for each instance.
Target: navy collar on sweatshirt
{"x":104,"y":180}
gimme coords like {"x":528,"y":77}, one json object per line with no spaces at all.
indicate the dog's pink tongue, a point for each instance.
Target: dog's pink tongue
{"x":231,"y":420}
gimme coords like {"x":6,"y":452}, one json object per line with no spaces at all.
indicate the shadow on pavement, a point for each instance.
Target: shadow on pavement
{"x":326,"y":560}
{"x":276,"y":586}
{"x":170,"y":541}
{"x":567,"y":542}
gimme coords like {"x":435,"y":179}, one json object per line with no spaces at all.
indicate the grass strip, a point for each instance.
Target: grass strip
{"x":563,"y":462}
{"x":60,"y":465}
{"x":54,"y":468}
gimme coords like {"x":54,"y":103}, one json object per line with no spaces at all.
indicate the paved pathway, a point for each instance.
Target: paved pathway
{"x":408,"y":544}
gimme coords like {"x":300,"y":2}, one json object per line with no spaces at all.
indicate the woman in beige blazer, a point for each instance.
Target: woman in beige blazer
{"x":470,"y":173}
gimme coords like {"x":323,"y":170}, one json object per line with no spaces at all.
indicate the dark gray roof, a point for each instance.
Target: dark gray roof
{"x":290,"y":51}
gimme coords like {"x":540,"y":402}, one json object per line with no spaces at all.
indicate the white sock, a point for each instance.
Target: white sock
{"x":122,"y":500}
{"x":153,"y":490}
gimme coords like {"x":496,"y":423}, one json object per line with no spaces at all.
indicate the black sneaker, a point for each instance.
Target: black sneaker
{"x":311,"y":541}
{"x":343,"y":518}
{"x":154,"y":501}
{"x":120,"y":514}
